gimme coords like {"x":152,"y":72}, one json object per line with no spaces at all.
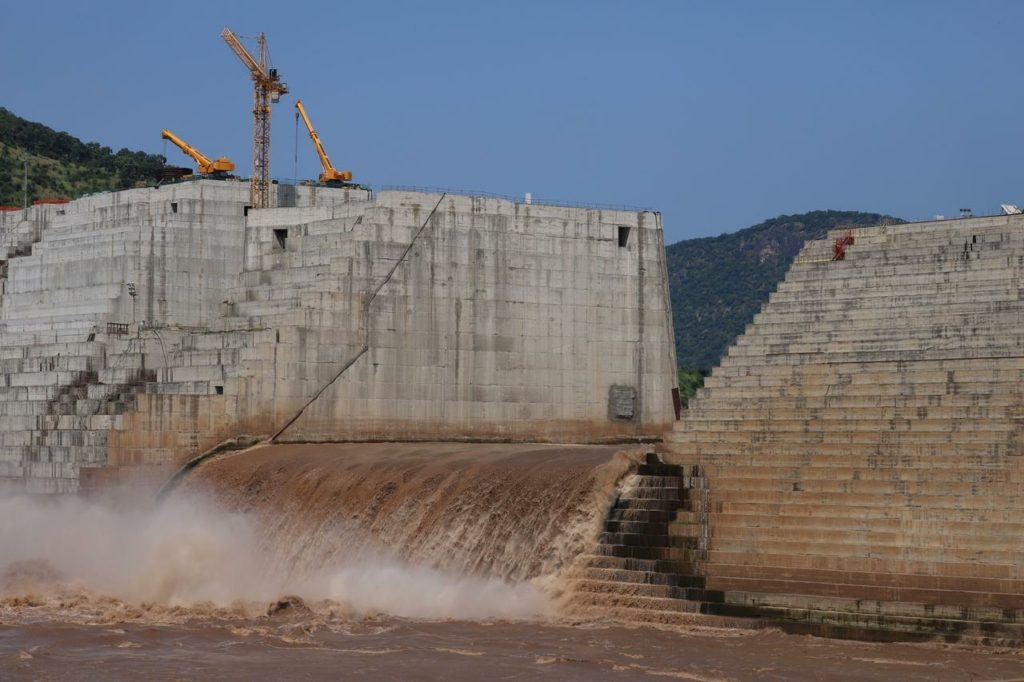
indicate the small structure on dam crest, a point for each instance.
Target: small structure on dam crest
{"x":140,"y":328}
{"x":861,"y":444}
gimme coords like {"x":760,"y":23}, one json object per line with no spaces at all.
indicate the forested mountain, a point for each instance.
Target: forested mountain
{"x":719,"y":283}
{"x":61,"y":165}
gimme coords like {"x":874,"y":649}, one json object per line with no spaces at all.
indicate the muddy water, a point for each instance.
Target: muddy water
{"x":378,"y":561}
{"x":513,"y":512}
{"x":385,"y":648}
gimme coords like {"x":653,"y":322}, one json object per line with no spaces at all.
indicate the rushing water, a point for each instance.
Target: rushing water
{"x":416,"y":561}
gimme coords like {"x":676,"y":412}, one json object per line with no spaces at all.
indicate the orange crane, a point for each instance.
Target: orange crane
{"x":330,"y":174}
{"x":267,"y":90}
{"x":206,"y":165}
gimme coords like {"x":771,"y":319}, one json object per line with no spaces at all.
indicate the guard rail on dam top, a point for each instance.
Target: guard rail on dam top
{"x":532,"y":201}
{"x":489,"y":322}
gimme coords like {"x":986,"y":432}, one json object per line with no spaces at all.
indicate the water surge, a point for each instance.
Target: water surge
{"x":463,"y":531}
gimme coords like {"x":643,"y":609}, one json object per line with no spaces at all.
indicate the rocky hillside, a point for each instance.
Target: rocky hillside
{"x":719,"y":283}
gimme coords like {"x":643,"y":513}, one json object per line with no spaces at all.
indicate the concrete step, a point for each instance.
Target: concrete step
{"x":647,"y":540}
{"x":604,"y":561}
{"x":646,"y":590}
{"x":613,"y":600}
{"x":643,"y":577}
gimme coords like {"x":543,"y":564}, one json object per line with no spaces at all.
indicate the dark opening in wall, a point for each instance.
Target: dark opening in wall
{"x":623,"y":236}
{"x":219,"y":390}
{"x":281,"y":235}
{"x":174,"y":207}
{"x":245,"y":210}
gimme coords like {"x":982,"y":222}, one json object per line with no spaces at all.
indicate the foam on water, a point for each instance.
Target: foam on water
{"x":410,"y":531}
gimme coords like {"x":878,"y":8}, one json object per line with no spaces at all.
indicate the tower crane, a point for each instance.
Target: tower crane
{"x":205,"y":164}
{"x":267,"y":90}
{"x":330,"y":174}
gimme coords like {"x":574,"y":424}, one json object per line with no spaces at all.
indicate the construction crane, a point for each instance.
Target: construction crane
{"x":267,"y":90}
{"x":205,"y":164}
{"x":330,"y":174}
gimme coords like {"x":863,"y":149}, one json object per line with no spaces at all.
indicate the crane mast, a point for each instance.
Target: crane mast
{"x":267,"y":90}
{"x":330,"y":174}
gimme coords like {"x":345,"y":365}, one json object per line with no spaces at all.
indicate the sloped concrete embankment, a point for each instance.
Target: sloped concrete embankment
{"x":861,"y":442}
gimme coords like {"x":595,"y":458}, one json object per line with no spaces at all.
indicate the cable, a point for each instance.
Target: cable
{"x":366,"y":323}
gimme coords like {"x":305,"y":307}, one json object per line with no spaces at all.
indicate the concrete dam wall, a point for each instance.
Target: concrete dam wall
{"x":858,"y":451}
{"x":140,"y":328}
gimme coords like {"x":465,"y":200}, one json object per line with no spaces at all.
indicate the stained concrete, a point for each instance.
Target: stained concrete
{"x":400,"y":316}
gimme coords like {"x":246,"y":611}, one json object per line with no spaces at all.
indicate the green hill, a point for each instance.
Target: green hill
{"x":61,"y":165}
{"x":719,"y":283}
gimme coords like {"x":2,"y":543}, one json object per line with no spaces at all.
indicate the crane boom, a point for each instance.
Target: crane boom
{"x":205,"y":164}
{"x":330,"y":174}
{"x":267,"y":89}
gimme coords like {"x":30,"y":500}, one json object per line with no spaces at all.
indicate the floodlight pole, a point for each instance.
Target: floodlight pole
{"x":24,"y":183}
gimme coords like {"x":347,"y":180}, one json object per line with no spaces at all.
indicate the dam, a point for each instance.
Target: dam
{"x":488,"y":387}
{"x":140,"y":328}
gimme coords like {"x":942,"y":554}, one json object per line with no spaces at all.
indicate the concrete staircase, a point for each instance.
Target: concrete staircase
{"x":862,"y":441}
{"x":56,"y":407}
{"x":648,"y":564}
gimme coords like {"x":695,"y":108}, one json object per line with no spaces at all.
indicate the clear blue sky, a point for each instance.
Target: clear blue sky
{"x":719,"y":114}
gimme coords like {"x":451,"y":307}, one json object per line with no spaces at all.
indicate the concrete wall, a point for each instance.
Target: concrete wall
{"x":861,"y":443}
{"x":491,"y":320}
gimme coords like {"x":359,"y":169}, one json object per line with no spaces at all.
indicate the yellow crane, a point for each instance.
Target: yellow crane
{"x":267,"y":90}
{"x":205,"y":164}
{"x":330,"y":174}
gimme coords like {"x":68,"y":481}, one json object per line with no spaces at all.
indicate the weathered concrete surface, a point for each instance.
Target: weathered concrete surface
{"x":862,"y":441}
{"x":398,"y":317}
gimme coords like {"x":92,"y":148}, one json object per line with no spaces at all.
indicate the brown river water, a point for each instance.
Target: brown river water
{"x":373,"y":561}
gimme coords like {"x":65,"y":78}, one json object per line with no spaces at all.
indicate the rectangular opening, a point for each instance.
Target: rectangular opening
{"x":174,"y":207}
{"x":245,"y":210}
{"x":219,"y":390}
{"x":623,"y":236}
{"x":281,"y":236}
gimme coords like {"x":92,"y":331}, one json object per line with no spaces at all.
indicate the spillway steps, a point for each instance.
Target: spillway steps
{"x":646,"y":566}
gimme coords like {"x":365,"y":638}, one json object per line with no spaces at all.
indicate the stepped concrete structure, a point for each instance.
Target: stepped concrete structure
{"x":860,"y":447}
{"x":140,"y":328}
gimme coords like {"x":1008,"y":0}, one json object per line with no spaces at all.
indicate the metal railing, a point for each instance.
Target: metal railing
{"x":518,"y":199}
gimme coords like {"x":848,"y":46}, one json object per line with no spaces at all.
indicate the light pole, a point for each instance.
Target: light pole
{"x":133,"y":293}
{"x":24,"y":182}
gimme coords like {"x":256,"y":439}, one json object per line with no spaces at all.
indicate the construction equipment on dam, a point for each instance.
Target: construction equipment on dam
{"x":330,"y":174}
{"x":267,"y":90}
{"x":205,"y":165}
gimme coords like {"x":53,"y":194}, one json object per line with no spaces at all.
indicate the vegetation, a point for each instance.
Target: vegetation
{"x":61,"y":165}
{"x":690,"y":379}
{"x":719,"y":283}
